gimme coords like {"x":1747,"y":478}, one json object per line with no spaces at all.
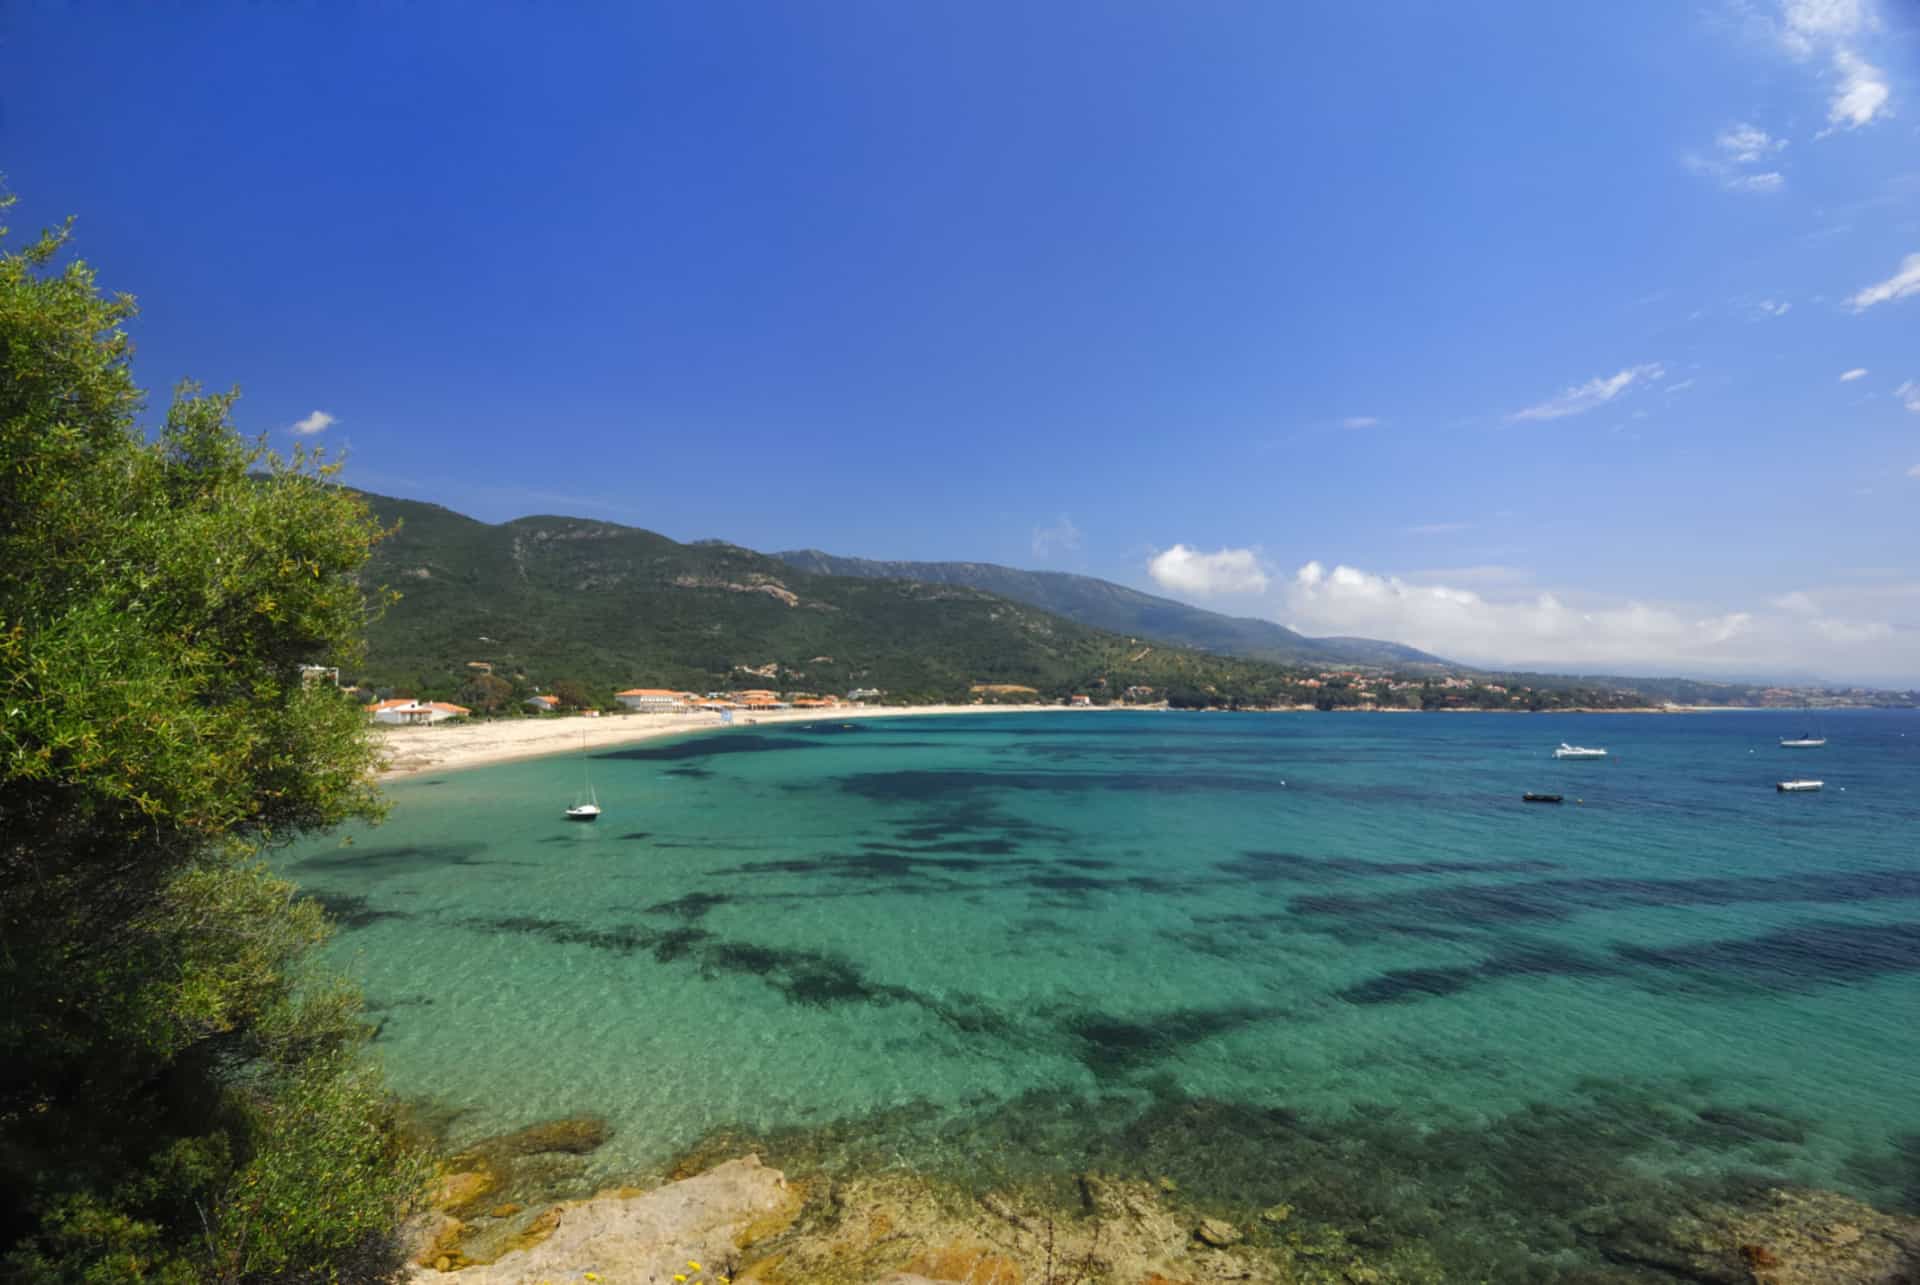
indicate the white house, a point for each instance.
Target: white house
{"x":545,"y":704}
{"x":407,"y":712}
{"x":653,"y":700}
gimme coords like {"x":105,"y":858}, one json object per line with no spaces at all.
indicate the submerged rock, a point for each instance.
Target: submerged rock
{"x":575,"y":1136}
{"x":1791,"y":1237}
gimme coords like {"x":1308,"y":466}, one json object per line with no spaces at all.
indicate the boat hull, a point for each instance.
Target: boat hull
{"x":1799,"y":787}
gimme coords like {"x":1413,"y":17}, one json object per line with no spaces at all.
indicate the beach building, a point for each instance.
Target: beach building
{"x":545,"y":704}
{"x":654,"y":700}
{"x":407,"y":712}
{"x":1078,"y":701}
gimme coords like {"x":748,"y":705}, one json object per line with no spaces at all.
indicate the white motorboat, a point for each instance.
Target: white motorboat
{"x":1567,"y":751}
{"x":1804,"y":741}
{"x":1794,"y":787}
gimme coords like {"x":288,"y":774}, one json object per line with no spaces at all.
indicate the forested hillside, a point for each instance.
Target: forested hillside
{"x":1103,"y":604}
{"x":545,"y":600}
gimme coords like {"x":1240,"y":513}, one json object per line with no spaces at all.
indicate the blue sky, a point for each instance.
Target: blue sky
{"x":1513,"y":331}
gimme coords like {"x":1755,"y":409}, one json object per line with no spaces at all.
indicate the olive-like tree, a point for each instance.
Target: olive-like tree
{"x":184,"y":1095}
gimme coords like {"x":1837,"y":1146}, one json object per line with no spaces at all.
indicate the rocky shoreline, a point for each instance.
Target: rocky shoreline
{"x":742,"y":1221}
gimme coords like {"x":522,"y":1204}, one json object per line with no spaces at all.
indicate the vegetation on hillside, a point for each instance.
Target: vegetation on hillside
{"x":548,"y":600}
{"x":490,"y":614}
{"x":182,"y":1096}
{"x":1101,"y":604}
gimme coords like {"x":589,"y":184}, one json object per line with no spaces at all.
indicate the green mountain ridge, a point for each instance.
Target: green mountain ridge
{"x":1103,"y":604}
{"x":546,"y":599}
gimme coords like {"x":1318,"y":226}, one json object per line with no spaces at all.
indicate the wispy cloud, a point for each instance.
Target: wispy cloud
{"x":1062,"y":537}
{"x":1511,"y":626}
{"x":1862,"y":94}
{"x":1359,"y":421}
{"x":1187,"y":570}
{"x":1439,"y":528}
{"x":1904,"y":281}
{"x":1914,"y":471}
{"x":314,"y":423}
{"x":1490,"y":573}
{"x":1909,"y":395}
{"x":1848,"y":376}
{"x":1598,"y":391}
{"x":1833,"y":29}
{"x":1739,"y":158}
{"x":1680,"y":387}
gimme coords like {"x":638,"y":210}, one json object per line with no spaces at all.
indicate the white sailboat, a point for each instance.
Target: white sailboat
{"x":1805,"y":741}
{"x":586,"y":804}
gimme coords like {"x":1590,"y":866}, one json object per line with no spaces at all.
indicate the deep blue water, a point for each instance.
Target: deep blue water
{"x":1331,"y":960}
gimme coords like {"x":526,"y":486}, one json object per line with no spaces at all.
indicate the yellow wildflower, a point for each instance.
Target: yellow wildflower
{"x":692,"y":1264}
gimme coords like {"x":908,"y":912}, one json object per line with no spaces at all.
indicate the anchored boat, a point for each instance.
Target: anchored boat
{"x":1567,"y":751}
{"x":586,"y":805}
{"x":1540,"y":798}
{"x":1792,"y":787}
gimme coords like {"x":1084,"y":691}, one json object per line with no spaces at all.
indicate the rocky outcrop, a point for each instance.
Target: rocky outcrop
{"x":635,"y":1238}
{"x":902,"y":1230}
{"x":1791,"y":1237}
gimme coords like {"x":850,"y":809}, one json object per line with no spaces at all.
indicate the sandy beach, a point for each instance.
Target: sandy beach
{"x":411,"y":751}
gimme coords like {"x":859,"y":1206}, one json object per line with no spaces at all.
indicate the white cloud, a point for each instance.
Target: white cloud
{"x":1909,"y":395}
{"x":1680,"y":387}
{"x":1595,"y":392}
{"x":1359,"y":421}
{"x":1862,"y":94}
{"x":1834,"y":28}
{"x":1808,"y":23}
{"x":1848,"y":376}
{"x":1063,"y":536}
{"x":1914,"y":471}
{"x":1770,"y":181}
{"x":1187,"y":570}
{"x":1745,"y":144}
{"x":314,"y":423}
{"x":1739,"y":152}
{"x":1773,"y":308}
{"x":1439,"y":528}
{"x":1902,"y":283}
{"x":1820,"y":630}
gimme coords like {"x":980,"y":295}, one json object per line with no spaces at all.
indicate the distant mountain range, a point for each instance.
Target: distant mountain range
{"x":548,"y":599}
{"x":1115,"y":608}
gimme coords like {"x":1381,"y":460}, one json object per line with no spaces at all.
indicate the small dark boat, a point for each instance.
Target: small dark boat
{"x":1540,"y":798}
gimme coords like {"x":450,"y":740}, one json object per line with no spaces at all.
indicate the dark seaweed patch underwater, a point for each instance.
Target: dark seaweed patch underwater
{"x":1448,"y":1031}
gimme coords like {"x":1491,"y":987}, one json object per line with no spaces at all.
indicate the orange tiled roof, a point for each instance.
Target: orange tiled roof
{"x":653,"y":691}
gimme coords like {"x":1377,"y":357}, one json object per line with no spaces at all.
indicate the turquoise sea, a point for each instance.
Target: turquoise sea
{"x":1329,"y":960}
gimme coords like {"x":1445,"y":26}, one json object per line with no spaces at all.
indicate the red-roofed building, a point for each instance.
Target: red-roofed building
{"x":407,"y":712}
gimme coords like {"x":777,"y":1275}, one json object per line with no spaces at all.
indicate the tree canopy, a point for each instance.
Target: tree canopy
{"x":182,"y":1091}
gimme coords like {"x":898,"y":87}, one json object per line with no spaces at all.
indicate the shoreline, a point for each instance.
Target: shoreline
{"x":415,"y":751}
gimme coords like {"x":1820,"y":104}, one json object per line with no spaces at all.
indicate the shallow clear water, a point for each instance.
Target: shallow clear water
{"x":1326,"y":959}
